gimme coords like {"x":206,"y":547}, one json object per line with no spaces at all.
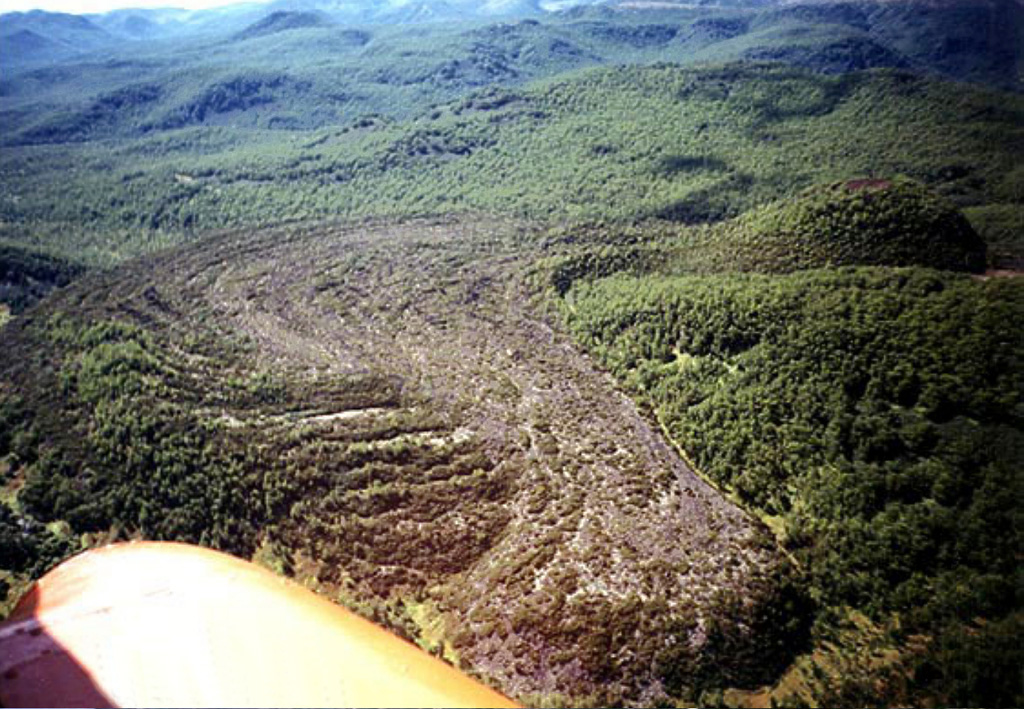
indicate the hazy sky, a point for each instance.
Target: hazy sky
{"x":80,"y":7}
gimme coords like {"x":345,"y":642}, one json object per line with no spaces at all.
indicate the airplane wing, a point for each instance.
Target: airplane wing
{"x":165,"y":624}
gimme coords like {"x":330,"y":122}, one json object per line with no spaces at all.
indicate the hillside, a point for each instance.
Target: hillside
{"x":868,"y":417}
{"x":667,"y":142}
{"x":379,"y":411}
{"x":864,"y":222}
{"x":282,"y":22}
{"x":39,"y":37}
{"x":428,"y":462}
{"x":620,"y":353}
{"x":973,"y":40}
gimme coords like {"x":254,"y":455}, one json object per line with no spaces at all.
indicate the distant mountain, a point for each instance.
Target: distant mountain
{"x":411,"y":11}
{"x":28,"y":43}
{"x":44,"y":36}
{"x":973,"y":40}
{"x":282,"y":21}
{"x":510,"y":7}
{"x":968,"y":39}
{"x":73,"y":29}
{"x":95,"y":30}
{"x":138,"y":26}
{"x":143,"y":23}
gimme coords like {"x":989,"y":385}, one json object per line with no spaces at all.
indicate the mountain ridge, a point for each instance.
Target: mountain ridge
{"x":829,"y":35}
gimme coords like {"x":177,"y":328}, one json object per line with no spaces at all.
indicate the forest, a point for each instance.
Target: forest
{"x":619,"y":356}
{"x":872,"y":416}
{"x":709,"y":144}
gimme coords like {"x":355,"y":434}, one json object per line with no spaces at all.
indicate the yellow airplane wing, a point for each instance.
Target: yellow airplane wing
{"x":164,"y":624}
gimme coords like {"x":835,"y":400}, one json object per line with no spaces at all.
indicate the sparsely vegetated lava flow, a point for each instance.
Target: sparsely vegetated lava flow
{"x":408,"y":433}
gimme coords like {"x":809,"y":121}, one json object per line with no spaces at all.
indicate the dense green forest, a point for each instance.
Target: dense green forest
{"x":667,"y":142}
{"x":874,"y":415}
{"x":618,"y":355}
{"x":870,"y":416}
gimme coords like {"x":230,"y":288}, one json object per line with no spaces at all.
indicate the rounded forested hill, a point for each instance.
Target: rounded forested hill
{"x":860,"y":222}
